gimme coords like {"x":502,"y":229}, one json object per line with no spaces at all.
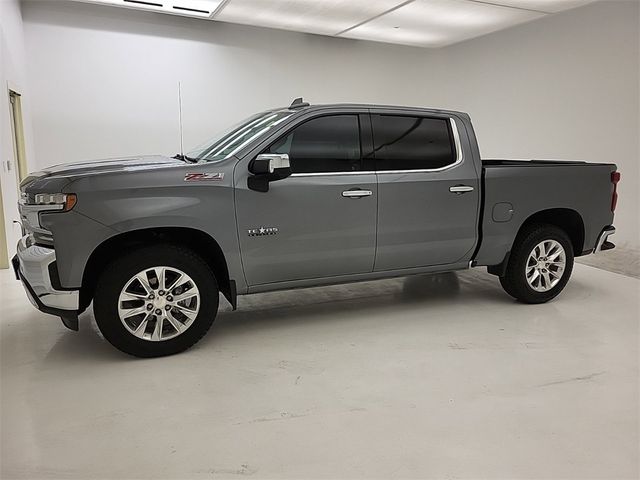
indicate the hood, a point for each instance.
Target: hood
{"x":95,"y":167}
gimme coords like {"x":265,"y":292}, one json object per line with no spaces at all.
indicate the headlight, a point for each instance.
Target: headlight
{"x":67,"y":200}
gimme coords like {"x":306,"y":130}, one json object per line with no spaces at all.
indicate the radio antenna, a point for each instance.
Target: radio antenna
{"x":180,"y":117}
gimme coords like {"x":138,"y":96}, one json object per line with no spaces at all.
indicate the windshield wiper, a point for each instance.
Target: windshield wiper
{"x":185,"y":158}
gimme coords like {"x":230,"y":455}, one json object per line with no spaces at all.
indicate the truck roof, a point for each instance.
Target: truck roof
{"x":301,"y":106}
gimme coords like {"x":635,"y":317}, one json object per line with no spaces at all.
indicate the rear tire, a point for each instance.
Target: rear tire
{"x":540,"y":264}
{"x":156,"y":301}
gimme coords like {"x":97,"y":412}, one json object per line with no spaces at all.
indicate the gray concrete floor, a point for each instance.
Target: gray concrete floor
{"x":440,"y":376}
{"x":623,"y":259}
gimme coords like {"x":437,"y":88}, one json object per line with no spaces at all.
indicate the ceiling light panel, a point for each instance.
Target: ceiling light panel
{"x":436,"y":23}
{"x":548,"y":6}
{"x":188,"y":8}
{"x":325,"y":17}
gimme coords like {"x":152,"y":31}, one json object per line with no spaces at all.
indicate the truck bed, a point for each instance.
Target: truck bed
{"x":514,"y":190}
{"x":533,"y":163}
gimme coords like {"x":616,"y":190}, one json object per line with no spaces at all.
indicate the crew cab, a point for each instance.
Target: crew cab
{"x":294,"y":197}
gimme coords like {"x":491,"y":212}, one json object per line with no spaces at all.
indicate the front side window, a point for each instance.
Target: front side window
{"x":322,"y":144}
{"x":412,"y":143}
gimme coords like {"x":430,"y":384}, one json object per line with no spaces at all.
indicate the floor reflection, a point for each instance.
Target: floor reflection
{"x":277,"y":309}
{"x":431,"y":287}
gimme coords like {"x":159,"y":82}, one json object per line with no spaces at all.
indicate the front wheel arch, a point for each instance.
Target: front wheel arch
{"x":196,"y":240}
{"x":138,"y":316}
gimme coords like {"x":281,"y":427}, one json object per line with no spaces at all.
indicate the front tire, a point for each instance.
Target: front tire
{"x":156,"y":301}
{"x":540,"y":264}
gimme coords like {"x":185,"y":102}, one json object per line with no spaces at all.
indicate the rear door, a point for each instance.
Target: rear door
{"x":320,"y":221}
{"x":428,"y":191}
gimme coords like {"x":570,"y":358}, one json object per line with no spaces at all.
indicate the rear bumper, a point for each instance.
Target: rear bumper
{"x":33,"y":266}
{"x":602,"y":243}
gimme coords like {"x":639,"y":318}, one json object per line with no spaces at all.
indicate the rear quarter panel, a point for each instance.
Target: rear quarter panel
{"x":585,"y":188}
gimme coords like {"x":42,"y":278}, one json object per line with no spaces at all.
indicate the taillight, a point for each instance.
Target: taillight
{"x":615,"y":178}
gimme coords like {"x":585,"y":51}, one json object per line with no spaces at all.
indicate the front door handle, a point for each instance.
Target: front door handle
{"x":460,"y":189}
{"x":357,"y":193}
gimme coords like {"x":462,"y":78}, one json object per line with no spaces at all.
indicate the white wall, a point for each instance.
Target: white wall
{"x":103,"y":82}
{"x":105,"y":79}
{"x":13,"y":75}
{"x":565,"y":87}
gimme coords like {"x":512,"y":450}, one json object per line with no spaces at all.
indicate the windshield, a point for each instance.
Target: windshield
{"x":228,"y":142}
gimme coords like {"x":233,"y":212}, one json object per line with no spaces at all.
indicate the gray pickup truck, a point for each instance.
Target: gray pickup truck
{"x":296,"y":197}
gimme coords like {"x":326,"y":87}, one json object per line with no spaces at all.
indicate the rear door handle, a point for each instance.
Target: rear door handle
{"x":357,"y":193}
{"x":460,"y":189}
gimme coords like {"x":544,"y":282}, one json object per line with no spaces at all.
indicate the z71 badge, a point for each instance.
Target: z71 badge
{"x":257,"y":232}
{"x":203,"y":177}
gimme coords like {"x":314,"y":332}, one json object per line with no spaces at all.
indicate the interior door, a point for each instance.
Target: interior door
{"x":320,"y":221}
{"x":428,"y":192}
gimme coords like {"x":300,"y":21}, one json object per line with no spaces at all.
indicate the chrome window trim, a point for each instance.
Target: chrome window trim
{"x":332,"y":174}
{"x":458,"y":161}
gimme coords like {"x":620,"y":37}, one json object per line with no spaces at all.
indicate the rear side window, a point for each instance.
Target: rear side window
{"x":412,"y":143}
{"x":322,"y":144}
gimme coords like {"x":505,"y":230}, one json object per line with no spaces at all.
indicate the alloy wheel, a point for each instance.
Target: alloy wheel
{"x":545,"y":265}
{"x":159,"y":303}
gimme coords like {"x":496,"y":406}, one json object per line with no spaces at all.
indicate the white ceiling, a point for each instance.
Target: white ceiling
{"x":422,"y":23}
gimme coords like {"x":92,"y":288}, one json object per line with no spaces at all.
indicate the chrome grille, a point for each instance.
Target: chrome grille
{"x":28,"y":198}
{"x":42,"y":238}
{"x":30,"y":222}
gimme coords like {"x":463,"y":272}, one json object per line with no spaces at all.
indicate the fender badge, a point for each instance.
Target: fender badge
{"x":203,"y":177}
{"x":260,"y":231}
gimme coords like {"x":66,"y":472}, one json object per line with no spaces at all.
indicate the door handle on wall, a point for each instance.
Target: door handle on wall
{"x":460,"y":189}
{"x":357,"y":193}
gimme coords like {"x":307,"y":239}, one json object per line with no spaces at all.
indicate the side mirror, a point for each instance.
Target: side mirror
{"x":269,"y":163}
{"x":268,"y":167}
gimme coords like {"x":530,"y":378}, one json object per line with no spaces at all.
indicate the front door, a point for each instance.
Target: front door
{"x":320,"y":221}
{"x":428,"y":192}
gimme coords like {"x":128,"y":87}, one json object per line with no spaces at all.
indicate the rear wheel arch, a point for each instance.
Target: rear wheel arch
{"x":200,"y":242}
{"x":540,"y":263}
{"x":567,"y":219}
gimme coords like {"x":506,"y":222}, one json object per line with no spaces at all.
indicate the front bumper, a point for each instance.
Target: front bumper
{"x":35,"y":266}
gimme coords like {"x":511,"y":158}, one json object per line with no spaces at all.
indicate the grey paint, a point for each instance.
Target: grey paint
{"x":320,"y":232}
{"x":410,"y":224}
{"x":502,"y":212}
{"x":420,"y":222}
{"x":159,"y":197}
{"x":583,"y":188}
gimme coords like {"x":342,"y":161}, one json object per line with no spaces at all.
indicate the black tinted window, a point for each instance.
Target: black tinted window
{"x":409,"y":143}
{"x":323,"y":144}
